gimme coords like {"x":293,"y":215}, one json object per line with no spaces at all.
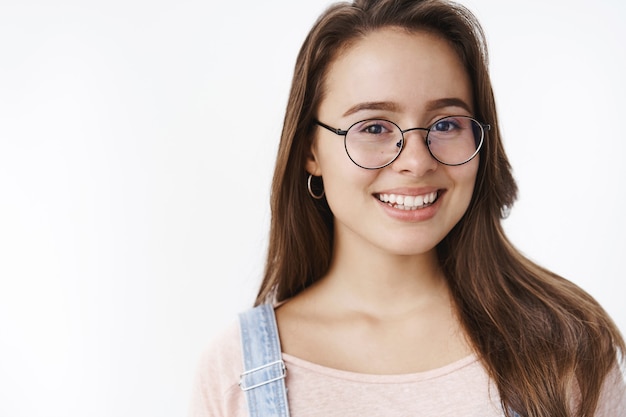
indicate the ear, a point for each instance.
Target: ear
{"x":312,"y":162}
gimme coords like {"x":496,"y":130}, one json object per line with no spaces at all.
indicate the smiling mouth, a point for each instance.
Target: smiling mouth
{"x":408,"y":202}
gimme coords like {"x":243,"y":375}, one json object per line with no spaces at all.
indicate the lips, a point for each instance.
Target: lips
{"x":408,"y":202}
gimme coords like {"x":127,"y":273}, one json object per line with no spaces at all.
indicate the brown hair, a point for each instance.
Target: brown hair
{"x":543,"y":340}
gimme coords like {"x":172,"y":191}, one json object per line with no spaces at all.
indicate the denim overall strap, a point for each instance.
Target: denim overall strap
{"x":263,"y":379}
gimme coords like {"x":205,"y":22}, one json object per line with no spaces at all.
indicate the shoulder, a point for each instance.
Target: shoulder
{"x":223,"y":355}
{"x":216,"y":391}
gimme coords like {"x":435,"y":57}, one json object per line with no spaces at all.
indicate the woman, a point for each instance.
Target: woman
{"x":395,"y":289}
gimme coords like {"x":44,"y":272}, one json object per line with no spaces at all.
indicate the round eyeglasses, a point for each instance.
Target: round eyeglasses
{"x":376,"y":143}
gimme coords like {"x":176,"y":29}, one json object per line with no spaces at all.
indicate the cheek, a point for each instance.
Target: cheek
{"x":347,"y":186}
{"x":329,"y":150}
{"x":343,"y":179}
{"x":471,"y":172}
{"x":468,"y":180}
{"x":336,"y":168}
{"x":464,"y":177}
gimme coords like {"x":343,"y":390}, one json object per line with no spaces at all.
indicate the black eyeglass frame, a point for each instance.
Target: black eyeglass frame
{"x":341,"y":132}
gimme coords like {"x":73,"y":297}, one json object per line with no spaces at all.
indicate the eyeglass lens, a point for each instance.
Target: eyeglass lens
{"x":376,"y":143}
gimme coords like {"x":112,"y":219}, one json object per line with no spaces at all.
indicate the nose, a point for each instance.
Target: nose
{"x":415,"y":158}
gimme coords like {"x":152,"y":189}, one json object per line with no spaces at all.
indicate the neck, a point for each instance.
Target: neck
{"x":377,"y":283}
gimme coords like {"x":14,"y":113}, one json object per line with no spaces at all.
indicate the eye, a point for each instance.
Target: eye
{"x":445,"y":125}
{"x":374,"y":127}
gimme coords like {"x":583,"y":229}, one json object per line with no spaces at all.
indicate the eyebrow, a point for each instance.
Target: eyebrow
{"x":393,"y":107}
{"x":448,"y":102}
{"x":372,"y":105}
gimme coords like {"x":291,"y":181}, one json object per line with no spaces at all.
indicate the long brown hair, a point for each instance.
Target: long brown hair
{"x":545,"y":342}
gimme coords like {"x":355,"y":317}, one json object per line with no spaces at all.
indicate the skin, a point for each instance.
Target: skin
{"x":384,"y":306}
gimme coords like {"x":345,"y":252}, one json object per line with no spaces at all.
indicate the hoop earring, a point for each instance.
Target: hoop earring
{"x":505,"y":211}
{"x":311,"y":193}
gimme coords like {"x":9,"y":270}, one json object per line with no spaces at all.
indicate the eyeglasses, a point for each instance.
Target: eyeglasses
{"x":376,"y":143}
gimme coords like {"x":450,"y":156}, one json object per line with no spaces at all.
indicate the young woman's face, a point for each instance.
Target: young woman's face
{"x":413,"y":80}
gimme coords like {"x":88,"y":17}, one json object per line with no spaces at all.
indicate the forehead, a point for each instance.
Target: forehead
{"x":410,"y":69}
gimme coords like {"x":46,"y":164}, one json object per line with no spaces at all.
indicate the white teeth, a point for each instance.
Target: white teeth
{"x":408,"y":202}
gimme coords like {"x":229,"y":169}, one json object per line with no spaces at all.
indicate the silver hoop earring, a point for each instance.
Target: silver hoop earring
{"x":505,"y":211}
{"x":311,"y":193}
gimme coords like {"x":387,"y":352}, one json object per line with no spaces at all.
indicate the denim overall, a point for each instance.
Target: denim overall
{"x":263,"y":379}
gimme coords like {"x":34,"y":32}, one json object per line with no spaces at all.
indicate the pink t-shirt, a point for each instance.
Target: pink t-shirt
{"x":461,"y":388}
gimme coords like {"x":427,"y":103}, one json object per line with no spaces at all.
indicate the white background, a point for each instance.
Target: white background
{"x":136,"y":149}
